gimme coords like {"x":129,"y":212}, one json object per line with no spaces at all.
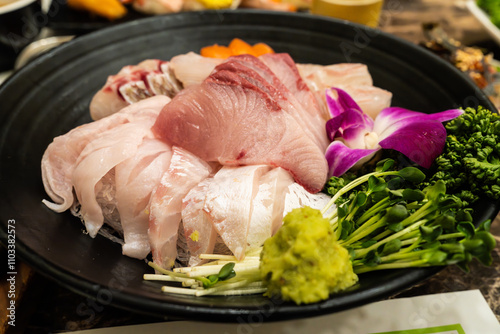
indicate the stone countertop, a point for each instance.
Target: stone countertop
{"x":48,"y":307}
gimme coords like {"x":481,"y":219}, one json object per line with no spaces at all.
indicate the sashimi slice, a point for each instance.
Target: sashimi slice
{"x":321,"y":77}
{"x":191,"y":68}
{"x":257,"y":73}
{"x":228,"y":204}
{"x":59,"y":159}
{"x":131,"y":84}
{"x":198,"y":229}
{"x":185,"y":172}
{"x":268,"y":206}
{"x":96,"y":160}
{"x":298,"y":197}
{"x":228,"y":120}
{"x":286,"y":70}
{"x":136,"y":178}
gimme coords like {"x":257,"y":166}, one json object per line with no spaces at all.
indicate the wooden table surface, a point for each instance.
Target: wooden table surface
{"x":47,"y":307}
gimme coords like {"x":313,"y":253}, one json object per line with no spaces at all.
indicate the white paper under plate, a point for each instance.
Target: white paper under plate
{"x":484,"y":19}
{"x":463,"y":312}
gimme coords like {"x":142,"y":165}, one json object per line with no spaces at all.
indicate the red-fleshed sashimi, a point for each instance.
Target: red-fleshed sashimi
{"x":135,"y":179}
{"x":231,"y":121}
{"x":185,"y":172}
{"x":60,"y":157}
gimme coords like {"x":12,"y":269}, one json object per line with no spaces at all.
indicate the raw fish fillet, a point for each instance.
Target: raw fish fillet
{"x":286,"y":70}
{"x":353,"y":78}
{"x":228,"y":120}
{"x":185,"y":172}
{"x":267,"y":207}
{"x":228,"y":204}
{"x":136,"y":178}
{"x":198,"y":229}
{"x":100,"y":156}
{"x":191,"y":68}
{"x":257,"y":73}
{"x":297,"y":197}
{"x":132,"y":84}
{"x":60,"y":157}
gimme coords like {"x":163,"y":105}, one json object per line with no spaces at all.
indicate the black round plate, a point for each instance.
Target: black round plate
{"x":51,"y":95}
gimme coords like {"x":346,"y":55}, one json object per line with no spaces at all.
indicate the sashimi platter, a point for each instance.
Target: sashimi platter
{"x":231,"y":165}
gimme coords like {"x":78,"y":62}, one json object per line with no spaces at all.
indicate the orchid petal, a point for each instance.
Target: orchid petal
{"x":340,"y":104}
{"x":350,"y":126}
{"x":420,"y":140}
{"x":392,"y":118}
{"x":341,"y":158}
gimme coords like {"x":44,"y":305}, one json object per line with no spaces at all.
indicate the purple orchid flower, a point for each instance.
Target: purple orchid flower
{"x":356,"y":137}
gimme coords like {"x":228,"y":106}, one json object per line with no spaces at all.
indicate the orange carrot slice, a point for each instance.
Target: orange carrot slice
{"x":239,"y":47}
{"x":216,"y":51}
{"x":262,"y":48}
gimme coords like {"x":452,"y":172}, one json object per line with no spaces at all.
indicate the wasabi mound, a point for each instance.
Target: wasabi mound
{"x":303,"y":262}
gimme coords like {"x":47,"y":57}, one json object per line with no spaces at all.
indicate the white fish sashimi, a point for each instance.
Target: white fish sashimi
{"x":321,"y":77}
{"x":136,"y":178}
{"x":268,"y":206}
{"x":96,"y":160}
{"x":198,"y":229}
{"x":298,"y":197}
{"x":60,"y":157}
{"x":228,"y":204}
{"x":191,"y":68}
{"x":185,"y":172}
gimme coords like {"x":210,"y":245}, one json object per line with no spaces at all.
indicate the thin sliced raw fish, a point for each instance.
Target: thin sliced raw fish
{"x":228,"y":204}
{"x":132,"y":84}
{"x":185,"y":172}
{"x":267,"y":207}
{"x":60,"y":157}
{"x":257,"y":73}
{"x":191,"y":68}
{"x":97,"y":159}
{"x":321,"y":77}
{"x":136,"y":178}
{"x":286,"y":70}
{"x":198,"y":229}
{"x":228,"y":120}
{"x":298,"y":197}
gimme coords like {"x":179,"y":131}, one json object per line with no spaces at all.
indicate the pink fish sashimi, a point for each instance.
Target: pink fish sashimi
{"x":228,"y":204}
{"x":191,"y":68}
{"x":132,"y":84}
{"x":185,"y":172}
{"x":321,"y":77}
{"x":286,"y":70}
{"x":198,"y":229}
{"x":257,"y":73}
{"x":97,"y":159}
{"x":267,"y":207}
{"x":158,"y":7}
{"x":60,"y":157}
{"x":231,"y":121}
{"x":136,"y":178}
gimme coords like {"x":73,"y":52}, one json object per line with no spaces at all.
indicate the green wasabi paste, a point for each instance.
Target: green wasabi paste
{"x":303,"y":262}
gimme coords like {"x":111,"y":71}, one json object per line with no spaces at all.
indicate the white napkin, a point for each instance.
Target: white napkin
{"x":447,"y":313}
